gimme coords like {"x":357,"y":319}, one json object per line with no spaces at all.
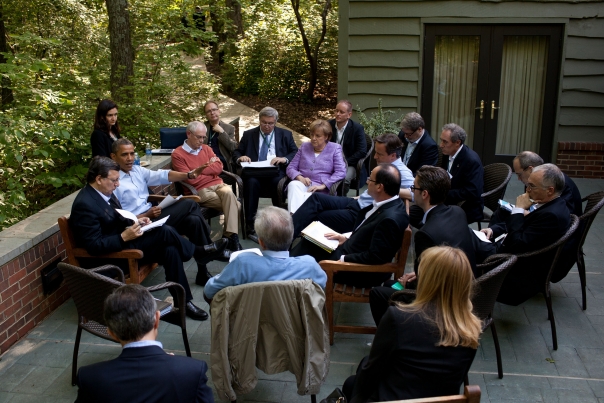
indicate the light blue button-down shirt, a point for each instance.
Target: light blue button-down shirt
{"x":406,"y":182}
{"x":144,"y":343}
{"x":132,"y":191}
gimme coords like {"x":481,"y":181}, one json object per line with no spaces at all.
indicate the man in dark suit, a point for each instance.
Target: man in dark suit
{"x":466,"y":171}
{"x":351,"y":136}
{"x":262,"y":143}
{"x":377,"y":235}
{"x":443,"y":225}
{"x":100,"y":229}
{"x":523,"y":166}
{"x":531,"y":231}
{"x":221,"y":135}
{"x":143,"y":372}
{"x":418,"y":147}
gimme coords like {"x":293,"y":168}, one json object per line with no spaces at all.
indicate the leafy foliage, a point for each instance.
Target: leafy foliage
{"x":270,"y":60}
{"x":58,"y":68}
{"x":379,"y":122}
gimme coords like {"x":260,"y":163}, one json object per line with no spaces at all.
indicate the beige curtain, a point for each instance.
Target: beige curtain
{"x":455,"y":78}
{"x":521,"y":92}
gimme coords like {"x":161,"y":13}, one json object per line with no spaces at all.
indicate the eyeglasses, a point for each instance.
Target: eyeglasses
{"x":114,"y":181}
{"x":211,"y":110}
{"x":530,"y":186}
{"x":413,"y":188}
{"x":269,"y":124}
{"x":371,"y":180}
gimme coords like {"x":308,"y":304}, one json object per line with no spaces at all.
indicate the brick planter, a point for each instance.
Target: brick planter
{"x":581,"y":159}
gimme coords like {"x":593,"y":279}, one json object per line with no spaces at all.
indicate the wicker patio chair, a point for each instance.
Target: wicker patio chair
{"x":89,"y":289}
{"x":496,"y":179}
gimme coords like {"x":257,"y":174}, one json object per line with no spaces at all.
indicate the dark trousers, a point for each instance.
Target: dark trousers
{"x":186,"y":218}
{"x":165,"y":246}
{"x":253,"y":189}
{"x":380,"y":300}
{"x":338,"y":213}
{"x":348,"y":387}
{"x":356,"y":279}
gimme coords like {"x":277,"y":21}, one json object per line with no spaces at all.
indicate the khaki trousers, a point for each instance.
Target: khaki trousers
{"x":221,"y":197}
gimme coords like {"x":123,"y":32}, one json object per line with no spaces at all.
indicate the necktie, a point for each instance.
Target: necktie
{"x":114,"y":202}
{"x":409,"y":151}
{"x":263,"y":149}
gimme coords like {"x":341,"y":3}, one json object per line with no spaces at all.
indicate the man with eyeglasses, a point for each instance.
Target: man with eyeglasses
{"x":212,"y":191}
{"x":220,"y":135}
{"x":101,"y":229}
{"x":442,"y":225}
{"x":419,"y":148}
{"x":267,"y":142}
{"x":539,"y":219}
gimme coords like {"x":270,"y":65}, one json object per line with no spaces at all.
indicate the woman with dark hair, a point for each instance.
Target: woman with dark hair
{"x":423,"y":349}
{"x":106,"y":129}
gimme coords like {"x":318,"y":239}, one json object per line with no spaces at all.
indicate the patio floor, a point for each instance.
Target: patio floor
{"x":38,"y":368}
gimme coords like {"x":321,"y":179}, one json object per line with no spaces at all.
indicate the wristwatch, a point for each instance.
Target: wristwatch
{"x":189,"y":175}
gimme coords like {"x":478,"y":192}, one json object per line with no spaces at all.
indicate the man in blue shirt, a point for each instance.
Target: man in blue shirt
{"x":275,"y":230}
{"x":185,"y":215}
{"x":340,"y":213}
{"x":143,"y":371}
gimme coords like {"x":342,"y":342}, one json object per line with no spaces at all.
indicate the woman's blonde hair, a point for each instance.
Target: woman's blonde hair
{"x":322,"y":126}
{"x":443,"y":295}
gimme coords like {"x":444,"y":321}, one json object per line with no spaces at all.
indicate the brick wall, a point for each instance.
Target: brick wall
{"x":581,"y":159}
{"x":22,"y":301}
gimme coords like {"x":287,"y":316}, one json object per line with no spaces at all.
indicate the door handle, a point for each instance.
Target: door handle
{"x":493,"y":107}
{"x":481,"y":107}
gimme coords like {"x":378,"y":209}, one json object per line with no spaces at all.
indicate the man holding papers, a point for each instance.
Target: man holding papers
{"x":100,"y":229}
{"x":184,"y":215}
{"x":275,"y":231}
{"x":266,"y":142}
{"x":377,"y":233}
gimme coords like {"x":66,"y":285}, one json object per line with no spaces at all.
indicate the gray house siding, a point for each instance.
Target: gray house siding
{"x":380,"y":54}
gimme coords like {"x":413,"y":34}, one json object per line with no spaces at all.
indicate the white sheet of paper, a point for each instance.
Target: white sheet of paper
{"x":239,"y":252}
{"x":168,"y":201}
{"x":482,"y":236}
{"x":146,"y":228}
{"x":257,"y":164}
{"x":127,"y":214}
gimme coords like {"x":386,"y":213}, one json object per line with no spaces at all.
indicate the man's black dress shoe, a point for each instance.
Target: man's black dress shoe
{"x":252,"y":236}
{"x":195,"y":312}
{"x":234,"y":244}
{"x":207,"y":253}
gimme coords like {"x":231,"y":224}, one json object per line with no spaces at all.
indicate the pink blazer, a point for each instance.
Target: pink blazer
{"x":328,"y":168}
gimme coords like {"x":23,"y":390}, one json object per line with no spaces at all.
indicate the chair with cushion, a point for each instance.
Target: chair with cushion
{"x":496,"y":178}
{"x":137,"y":271}
{"x":595,"y":201}
{"x":471,"y":394}
{"x":554,"y":251}
{"x":90,"y":287}
{"x":357,"y":183}
{"x":209,"y":213}
{"x":342,"y":293}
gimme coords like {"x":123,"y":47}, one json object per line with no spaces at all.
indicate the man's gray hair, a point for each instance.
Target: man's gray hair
{"x":120,"y":142}
{"x":412,"y":121}
{"x":129,"y":312}
{"x":457,"y":132}
{"x":268,"y":112}
{"x":529,"y":159}
{"x":275,"y":227}
{"x":192,"y":127}
{"x":552,"y":176}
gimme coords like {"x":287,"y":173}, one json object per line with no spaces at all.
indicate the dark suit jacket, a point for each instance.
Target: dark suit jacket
{"x":425,"y":153}
{"x":532,"y":232}
{"x":406,"y":363}
{"x":95,"y":224}
{"x":380,"y":236}
{"x":467,"y":183}
{"x":145,"y":374}
{"x":284,"y":145}
{"x":446,"y":225}
{"x":101,"y":143}
{"x":354,"y":144}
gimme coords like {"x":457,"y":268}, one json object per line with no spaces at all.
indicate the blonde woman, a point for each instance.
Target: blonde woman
{"x":423,"y":349}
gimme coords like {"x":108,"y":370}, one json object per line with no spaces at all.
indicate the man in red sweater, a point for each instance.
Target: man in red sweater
{"x":214,"y":193}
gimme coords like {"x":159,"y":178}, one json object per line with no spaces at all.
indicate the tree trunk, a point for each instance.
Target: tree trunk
{"x":312,"y":54}
{"x":235,"y":16}
{"x":7,"y":92}
{"x":120,"y":45}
